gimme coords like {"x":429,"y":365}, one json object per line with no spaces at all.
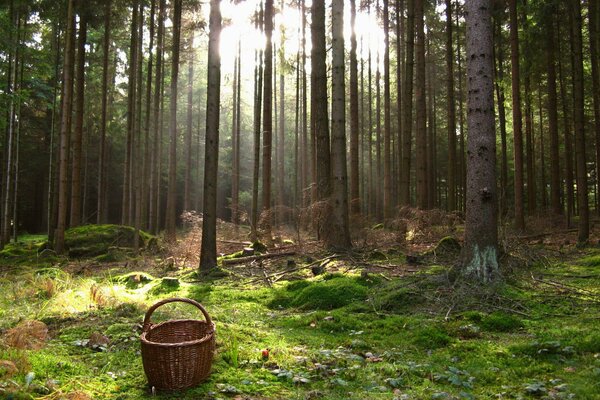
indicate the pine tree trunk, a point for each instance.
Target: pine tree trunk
{"x":65,"y":128}
{"x":555,"y":183}
{"x":187,"y":198}
{"x":171,"y":210}
{"x":579,"y":124}
{"x":570,"y":193}
{"x":451,"y":173}
{"x":208,"y":252}
{"x":354,"y":174}
{"x":235,"y":184}
{"x":480,"y":256}
{"x":387,"y":124}
{"x":400,"y":33}
{"x":131,"y":91}
{"x":408,"y":106}
{"x":147,"y":162}
{"x":281,"y":132}
{"x":319,"y":100}
{"x":267,"y":119}
{"x":421,"y":128}
{"x":153,"y":213}
{"x":542,"y":152}
{"x":77,"y":137}
{"x":517,"y":117}
{"x":338,"y":231}
{"x":499,"y":68}
{"x":595,"y":70}
{"x":100,"y":215}
{"x":258,"y":87}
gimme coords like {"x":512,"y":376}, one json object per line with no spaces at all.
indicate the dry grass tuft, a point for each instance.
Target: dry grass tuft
{"x":30,"y":335}
{"x":7,"y":369}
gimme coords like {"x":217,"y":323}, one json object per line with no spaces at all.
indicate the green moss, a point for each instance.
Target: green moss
{"x":165,"y":285}
{"x":431,"y":337}
{"x":133,"y":280}
{"x":94,"y":240}
{"x":500,"y":322}
{"x":330,"y":293}
{"x":589,"y":343}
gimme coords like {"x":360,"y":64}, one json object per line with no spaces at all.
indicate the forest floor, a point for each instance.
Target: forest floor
{"x":383,"y":322}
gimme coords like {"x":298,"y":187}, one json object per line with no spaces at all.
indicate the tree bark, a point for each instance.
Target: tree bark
{"x":319,"y":100}
{"x":387,"y":118}
{"x":517,"y":117}
{"x":555,"y":183}
{"x":153,"y":212}
{"x":578,"y":119}
{"x":208,"y":252}
{"x":258,"y":85}
{"x":267,"y":119}
{"x":187,"y":189}
{"x":421,"y":125}
{"x":480,"y":255}
{"x":451,"y":173}
{"x":65,"y":128}
{"x":100,"y":216}
{"x":171,"y":210}
{"x":595,"y":70}
{"x":77,"y":138}
{"x":354,"y":171}
{"x":338,"y":232}
{"x":408,"y":106}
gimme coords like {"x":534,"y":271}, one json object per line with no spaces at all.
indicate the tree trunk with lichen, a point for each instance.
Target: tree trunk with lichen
{"x":480,"y":254}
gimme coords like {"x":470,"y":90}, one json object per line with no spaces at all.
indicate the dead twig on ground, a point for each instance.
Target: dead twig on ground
{"x":243,"y":260}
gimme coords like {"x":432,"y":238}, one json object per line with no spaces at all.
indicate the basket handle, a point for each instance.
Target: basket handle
{"x":151,"y":310}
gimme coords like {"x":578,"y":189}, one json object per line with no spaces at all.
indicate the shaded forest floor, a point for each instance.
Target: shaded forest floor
{"x":383,"y":322}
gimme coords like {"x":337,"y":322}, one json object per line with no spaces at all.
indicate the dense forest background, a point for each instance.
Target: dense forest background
{"x":136,"y":88}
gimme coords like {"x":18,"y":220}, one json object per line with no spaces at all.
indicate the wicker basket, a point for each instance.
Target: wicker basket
{"x":177,"y":354}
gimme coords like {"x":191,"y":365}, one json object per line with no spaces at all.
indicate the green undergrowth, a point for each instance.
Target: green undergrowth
{"x":334,"y":336}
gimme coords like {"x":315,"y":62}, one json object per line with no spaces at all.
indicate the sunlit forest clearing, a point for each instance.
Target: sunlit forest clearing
{"x":369,"y":199}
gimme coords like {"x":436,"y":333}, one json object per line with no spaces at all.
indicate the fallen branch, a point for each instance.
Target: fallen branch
{"x":234,"y":242}
{"x":243,"y":260}
{"x":540,"y":235}
{"x":274,"y":277}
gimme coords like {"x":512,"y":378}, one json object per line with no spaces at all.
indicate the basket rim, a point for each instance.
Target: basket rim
{"x":204,"y":338}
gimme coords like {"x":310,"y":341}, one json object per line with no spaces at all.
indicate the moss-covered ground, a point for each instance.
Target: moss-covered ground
{"x":341,"y":335}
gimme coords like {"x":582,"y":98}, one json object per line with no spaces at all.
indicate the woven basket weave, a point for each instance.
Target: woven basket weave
{"x":177,"y":354}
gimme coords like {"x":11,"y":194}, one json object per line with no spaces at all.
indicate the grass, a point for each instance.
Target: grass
{"x":335,"y":336}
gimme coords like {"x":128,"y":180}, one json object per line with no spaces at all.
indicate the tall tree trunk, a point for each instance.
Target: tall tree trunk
{"x":52,"y":162}
{"x":208,"y":252}
{"x":480,"y":255}
{"x":171,"y":210}
{"x":267,"y":119}
{"x":136,"y":173}
{"x":594,"y":42}
{"x":387,"y":124}
{"x":517,"y":117}
{"x":100,"y":216}
{"x":461,"y":119}
{"x":555,"y":183}
{"x":338,"y":232}
{"x":570,"y":194}
{"x":499,"y":69}
{"x":354,"y":171}
{"x":408,"y":105}
{"x":319,"y":99}
{"x":12,"y":67}
{"x":281,"y":131}
{"x":578,"y":118}
{"x":131,"y":91}
{"x":378,"y":171}
{"x":421,"y":128}
{"x":144,"y":195}
{"x":235,"y":185}
{"x":258,"y":85}
{"x":451,"y":173}
{"x":542,"y":151}
{"x":400,"y":33}
{"x":77,"y":137}
{"x":187,"y":198}
{"x":153,"y":208}
{"x":65,"y":128}
{"x":305,"y":151}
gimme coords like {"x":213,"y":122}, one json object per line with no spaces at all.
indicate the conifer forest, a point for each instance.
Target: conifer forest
{"x":299,"y":199}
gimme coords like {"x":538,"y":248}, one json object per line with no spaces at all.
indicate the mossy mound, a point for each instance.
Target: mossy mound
{"x":96,"y":240}
{"x":332,"y":292}
{"x":165,"y":285}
